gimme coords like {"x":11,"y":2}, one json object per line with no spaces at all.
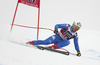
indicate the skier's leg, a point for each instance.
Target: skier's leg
{"x":50,"y":40}
{"x":40,"y":42}
{"x":63,"y":43}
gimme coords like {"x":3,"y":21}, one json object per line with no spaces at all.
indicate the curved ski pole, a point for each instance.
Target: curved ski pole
{"x":72,"y":53}
{"x":46,"y":29}
{"x":68,"y":51}
{"x":32,"y":27}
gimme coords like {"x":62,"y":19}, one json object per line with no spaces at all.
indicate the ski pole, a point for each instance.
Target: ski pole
{"x":32,"y":27}
{"x":68,"y":51}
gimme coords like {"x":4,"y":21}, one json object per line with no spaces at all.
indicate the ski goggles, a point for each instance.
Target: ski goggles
{"x":76,"y":27}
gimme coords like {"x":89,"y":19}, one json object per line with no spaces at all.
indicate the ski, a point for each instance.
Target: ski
{"x":53,"y":50}
{"x":45,"y":48}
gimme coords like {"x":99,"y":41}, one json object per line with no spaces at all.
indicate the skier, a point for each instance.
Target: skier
{"x":62,"y":37}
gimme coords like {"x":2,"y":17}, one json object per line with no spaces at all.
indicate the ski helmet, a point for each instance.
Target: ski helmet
{"x":76,"y":25}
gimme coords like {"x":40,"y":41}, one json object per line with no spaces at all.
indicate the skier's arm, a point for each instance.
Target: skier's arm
{"x":76,"y":43}
{"x":77,"y":46}
{"x":61,"y":26}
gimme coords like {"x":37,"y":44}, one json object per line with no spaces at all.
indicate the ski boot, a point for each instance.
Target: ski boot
{"x":54,"y":46}
{"x":30,"y":42}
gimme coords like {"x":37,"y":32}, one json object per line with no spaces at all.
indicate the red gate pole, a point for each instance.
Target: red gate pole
{"x":14,"y":16}
{"x":38,"y":21}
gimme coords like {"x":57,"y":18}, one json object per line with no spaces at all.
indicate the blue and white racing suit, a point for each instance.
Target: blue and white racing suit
{"x":62,"y":39}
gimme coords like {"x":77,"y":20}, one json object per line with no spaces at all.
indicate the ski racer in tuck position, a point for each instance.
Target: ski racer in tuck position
{"x":62,"y":37}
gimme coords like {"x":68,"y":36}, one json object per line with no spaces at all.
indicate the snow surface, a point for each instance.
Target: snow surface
{"x":65,"y":10}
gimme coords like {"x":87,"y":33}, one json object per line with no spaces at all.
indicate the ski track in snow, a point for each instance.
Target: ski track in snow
{"x":92,"y":54}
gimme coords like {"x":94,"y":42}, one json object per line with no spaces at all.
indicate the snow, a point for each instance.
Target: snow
{"x":16,"y":54}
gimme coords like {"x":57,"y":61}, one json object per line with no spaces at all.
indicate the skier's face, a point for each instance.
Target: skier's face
{"x":74,"y":29}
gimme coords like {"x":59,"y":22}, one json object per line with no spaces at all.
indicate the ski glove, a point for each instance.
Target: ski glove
{"x":56,"y":31}
{"x":78,"y":53}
